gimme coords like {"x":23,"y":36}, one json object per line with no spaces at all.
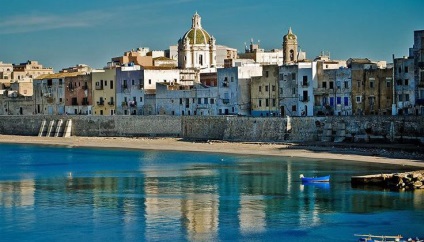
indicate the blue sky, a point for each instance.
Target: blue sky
{"x":61,"y":33}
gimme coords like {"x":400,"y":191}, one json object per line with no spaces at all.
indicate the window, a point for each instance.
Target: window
{"x":181,"y":101}
{"x":399,"y":82}
{"x":273,"y":88}
{"x":294,"y":108}
{"x":150,"y":81}
{"x":282,"y":76}
{"x":331,"y":85}
{"x":406,"y":82}
{"x":141,"y":99}
{"x":346,"y":84}
{"x":388,"y":83}
{"x":407,"y":97}
{"x":266,"y":88}
{"x":266,"y":102}
{"x":111,"y":84}
{"x":294,"y":91}
{"x":358,"y":99}
{"x":273,"y":102}
{"x":293,"y":76}
{"x":324,"y":85}
{"x":260,"y":88}
{"x":371,"y":84}
{"x":205,"y":100}
{"x":358,"y":83}
{"x":260,"y":103}
{"x":199,"y":101}
{"x":232,"y":79}
{"x":266,"y":74}
{"x":339,"y":100}
{"x":346,"y":101}
{"x":132,"y":82}
{"x":305,"y":81}
{"x":400,"y":70}
{"x":406,"y":69}
{"x":400,"y":99}
{"x":212,"y":101}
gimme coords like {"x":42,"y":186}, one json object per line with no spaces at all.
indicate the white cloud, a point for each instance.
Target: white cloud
{"x":39,"y":22}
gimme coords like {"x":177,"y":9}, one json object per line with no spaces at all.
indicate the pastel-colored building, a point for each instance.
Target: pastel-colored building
{"x":78,"y":94}
{"x":234,"y":89}
{"x":103,"y":95}
{"x":30,"y":69}
{"x":264,"y":93}
{"x":6,"y":70}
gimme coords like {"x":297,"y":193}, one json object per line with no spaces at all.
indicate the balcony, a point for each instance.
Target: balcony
{"x":141,"y":86}
{"x":124,"y":104}
{"x":226,"y":101}
{"x":305,"y":84}
{"x":304,"y":99}
{"x":99,"y":87}
{"x":100,"y":103}
{"x":132,"y":104}
{"x":84,"y":102}
{"x":225,"y":84}
{"x":111,"y":103}
{"x":124,"y":86}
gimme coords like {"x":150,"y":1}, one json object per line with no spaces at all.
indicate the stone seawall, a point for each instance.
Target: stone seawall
{"x":233,"y":128}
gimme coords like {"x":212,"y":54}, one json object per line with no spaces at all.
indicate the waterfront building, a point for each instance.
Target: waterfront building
{"x":333,"y":90}
{"x":264,"y":92}
{"x":78,"y":94}
{"x":409,"y":78}
{"x":103,"y":96}
{"x":254,"y":52}
{"x":372,"y":87}
{"x":405,"y":85}
{"x":49,"y":93}
{"x":196,"y":49}
{"x":223,"y":53}
{"x":297,"y":82}
{"x":418,"y":51}
{"x":13,"y":104}
{"x":129,"y":90}
{"x":180,"y":100}
{"x":234,"y":89}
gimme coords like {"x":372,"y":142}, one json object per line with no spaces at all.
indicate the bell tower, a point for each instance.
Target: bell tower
{"x":290,"y":52}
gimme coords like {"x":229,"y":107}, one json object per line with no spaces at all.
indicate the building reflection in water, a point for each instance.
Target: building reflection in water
{"x":200,"y":201}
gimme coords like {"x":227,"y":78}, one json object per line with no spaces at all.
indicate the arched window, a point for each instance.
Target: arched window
{"x":201,"y":60}
{"x":291,"y":55}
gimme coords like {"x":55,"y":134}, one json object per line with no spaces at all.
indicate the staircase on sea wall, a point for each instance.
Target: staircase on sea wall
{"x":55,"y":128}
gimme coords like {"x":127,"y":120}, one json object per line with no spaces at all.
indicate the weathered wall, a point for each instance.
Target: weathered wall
{"x":232,"y":128}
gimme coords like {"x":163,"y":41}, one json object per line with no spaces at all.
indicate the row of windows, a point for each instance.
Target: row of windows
{"x":267,"y":101}
{"x":267,"y":88}
{"x":199,"y":101}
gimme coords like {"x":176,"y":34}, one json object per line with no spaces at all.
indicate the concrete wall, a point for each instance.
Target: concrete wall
{"x":232,"y":128}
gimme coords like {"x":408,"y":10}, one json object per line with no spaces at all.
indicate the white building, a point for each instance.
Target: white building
{"x":176,"y":99}
{"x":234,"y":89}
{"x":196,"y":49}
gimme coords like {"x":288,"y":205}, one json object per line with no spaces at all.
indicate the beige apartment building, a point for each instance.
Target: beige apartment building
{"x":104,"y":96}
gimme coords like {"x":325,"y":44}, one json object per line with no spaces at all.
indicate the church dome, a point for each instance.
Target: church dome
{"x":197,"y":34}
{"x":290,"y":35}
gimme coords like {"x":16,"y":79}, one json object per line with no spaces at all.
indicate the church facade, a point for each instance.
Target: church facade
{"x":196,"y":49}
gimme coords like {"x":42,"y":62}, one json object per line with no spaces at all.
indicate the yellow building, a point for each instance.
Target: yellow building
{"x":264,"y":93}
{"x":104,"y":96}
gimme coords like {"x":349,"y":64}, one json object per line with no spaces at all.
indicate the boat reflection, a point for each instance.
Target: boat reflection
{"x":320,"y":185}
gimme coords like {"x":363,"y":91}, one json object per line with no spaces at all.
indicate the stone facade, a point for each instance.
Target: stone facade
{"x":103,"y":86}
{"x":264,"y":93}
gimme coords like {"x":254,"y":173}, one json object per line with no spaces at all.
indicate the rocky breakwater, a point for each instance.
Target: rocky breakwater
{"x":397,"y":181}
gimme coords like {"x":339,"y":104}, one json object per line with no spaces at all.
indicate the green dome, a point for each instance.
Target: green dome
{"x":290,"y":35}
{"x":197,"y":36}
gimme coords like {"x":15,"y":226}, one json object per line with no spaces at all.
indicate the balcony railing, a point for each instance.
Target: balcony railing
{"x":111,"y":103}
{"x":100,"y":103}
{"x":99,"y":87}
{"x":132,"y":103}
{"x":225,"y":101}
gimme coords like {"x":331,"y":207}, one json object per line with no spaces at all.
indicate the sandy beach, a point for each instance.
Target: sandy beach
{"x":266,"y":149}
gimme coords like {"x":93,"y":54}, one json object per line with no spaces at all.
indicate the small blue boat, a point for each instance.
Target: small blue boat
{"x":315,"y":179}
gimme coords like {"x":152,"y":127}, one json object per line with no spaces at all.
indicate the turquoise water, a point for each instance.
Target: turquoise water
{"x":49,"y":193}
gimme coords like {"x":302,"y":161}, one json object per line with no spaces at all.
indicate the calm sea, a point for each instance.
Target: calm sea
{"x":52,"y":193}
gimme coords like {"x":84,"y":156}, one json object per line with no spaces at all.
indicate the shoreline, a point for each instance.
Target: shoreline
{"x":240,"y":148}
